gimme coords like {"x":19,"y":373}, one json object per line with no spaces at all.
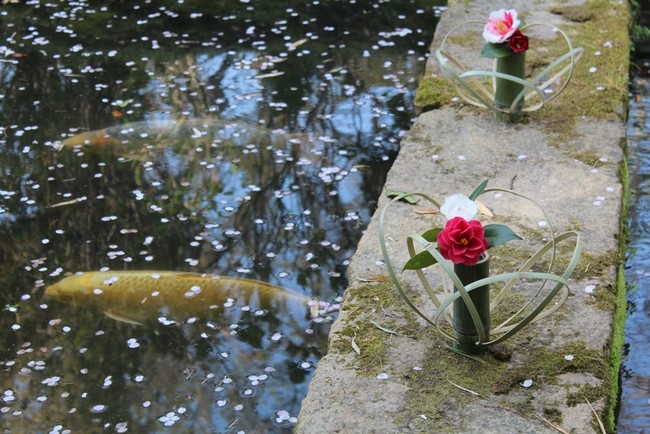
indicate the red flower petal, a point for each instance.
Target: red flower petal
{"x":462,"y":241}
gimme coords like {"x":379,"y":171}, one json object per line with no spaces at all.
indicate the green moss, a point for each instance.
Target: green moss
{"x":579,"y":14}
{"x":575,"y":226}
{"x":469,"y":38}
{"x":432,"y":393}
{"x":509,"y":258}
{"x":509,"y":306}
{"x":381,"y":294}
{"x":604,"y":298}
{"x":553,"y":414}
{"x":618,"y":327}
{"x":506,"y":259}
{"x":371,"y":341}
{"x":608,"y":23}
{"x":590,"y":158}
{"x":430,"y":390}
{"x":433,"y":92}
{"x":546,"y":365}
{"x":592,"y":265}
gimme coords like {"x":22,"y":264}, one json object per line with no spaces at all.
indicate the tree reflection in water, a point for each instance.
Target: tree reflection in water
{"x":315,"y":95}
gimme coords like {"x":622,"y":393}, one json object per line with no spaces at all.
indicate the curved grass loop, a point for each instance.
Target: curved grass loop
{"x":472,"y":89}
{"x":539,"y":309}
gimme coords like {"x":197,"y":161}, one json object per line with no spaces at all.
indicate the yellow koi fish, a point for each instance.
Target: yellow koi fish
{"x":143,"y":296}
{"x":182,"y":134}
{"x":131,"y":135}
{"x":137,"y":138}
{"x":95,"y":139}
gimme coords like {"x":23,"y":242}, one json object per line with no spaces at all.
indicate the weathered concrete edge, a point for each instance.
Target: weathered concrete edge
{"x":344,"y":398}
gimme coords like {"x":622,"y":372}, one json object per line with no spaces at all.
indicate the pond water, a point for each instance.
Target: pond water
{"x":634,"y":414}
{"x":244,"y":138}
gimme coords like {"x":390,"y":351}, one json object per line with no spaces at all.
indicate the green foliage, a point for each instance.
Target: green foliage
{"x":495,"y":234}
{"x":479,"y":190}
{"x":496,"y":51}
{"x":638,"y":32}
{"x":423,"y":259}
{"x":499,"y":234}
{"x":405,"y":197}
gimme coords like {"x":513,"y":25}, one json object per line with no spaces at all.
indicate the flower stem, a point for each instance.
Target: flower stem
{"x":507,"y":90}
{"x":465,"y":330}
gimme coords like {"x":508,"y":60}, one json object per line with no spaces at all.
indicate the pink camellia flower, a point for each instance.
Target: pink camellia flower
{"x":501,"y":25}
{"x":462,"y":241}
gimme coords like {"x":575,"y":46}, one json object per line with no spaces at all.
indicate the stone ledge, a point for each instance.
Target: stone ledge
{"x":575,"y":175}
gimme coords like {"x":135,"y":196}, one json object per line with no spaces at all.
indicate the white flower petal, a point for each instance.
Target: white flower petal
{"x":459,"y":205}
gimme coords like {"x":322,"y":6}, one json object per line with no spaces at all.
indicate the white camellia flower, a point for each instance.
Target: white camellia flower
{"x":459,"y":205}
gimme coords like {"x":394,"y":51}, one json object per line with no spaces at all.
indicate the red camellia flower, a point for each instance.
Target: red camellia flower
{"x":518,"y":42}
{"x":462,"y":241}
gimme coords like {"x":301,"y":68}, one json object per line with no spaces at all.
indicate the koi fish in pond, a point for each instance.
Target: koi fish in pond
{"x":140,"y":297}
{"x":139,"y":138}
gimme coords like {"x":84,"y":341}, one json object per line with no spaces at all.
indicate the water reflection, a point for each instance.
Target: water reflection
{"x":634,"y":414}
{"x":296,"y":110}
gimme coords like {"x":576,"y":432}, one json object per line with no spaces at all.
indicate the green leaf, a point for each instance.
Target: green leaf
{"x":463,"y":353}
{"x":419,"y":261}
{"x":499,"y":234}
{"x":495,"y":51}
{"x":408,"y":199}
{"x":479,"y":190}
{"x":424,"y":258}
{"x":432,"y":235}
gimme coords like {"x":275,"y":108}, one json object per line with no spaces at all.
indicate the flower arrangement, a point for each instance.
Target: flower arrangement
{"x":507,"y":44}
{"x":464,"y":239}
{"x":460,"y":248}
{"x":502,"y":34}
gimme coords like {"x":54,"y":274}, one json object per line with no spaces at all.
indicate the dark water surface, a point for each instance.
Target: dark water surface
{"x":634,"y":415}
{"x":244,"y":138}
